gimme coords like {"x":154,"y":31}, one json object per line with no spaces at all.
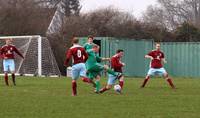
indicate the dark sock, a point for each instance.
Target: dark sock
{"x":74,"y":92}
{"x":103,"y":90}
{"x":145,"y":81}
{"x":121,"y":83}
{"x":6,"y":79}
{"x":13,"y":78}
{"x":170,"y":82}
{"x":87,"y":80}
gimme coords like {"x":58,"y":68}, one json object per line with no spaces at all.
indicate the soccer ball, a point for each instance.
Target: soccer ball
{"x":117,"y":88}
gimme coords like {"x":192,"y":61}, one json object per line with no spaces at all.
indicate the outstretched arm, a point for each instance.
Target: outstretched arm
{"x":105,"y":59}
{"x":148,"y":57}
{"x":17,"y":51}
{"x":164,"y":60}
{"x":68,"y":57}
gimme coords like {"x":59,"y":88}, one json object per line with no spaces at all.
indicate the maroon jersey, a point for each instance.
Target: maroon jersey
{"x":8,"y":52}
{"x":78,"y":53}
{"x":116,"y":63}
{"x":157,"y":58}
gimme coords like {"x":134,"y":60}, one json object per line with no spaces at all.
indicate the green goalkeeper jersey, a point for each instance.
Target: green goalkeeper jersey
{"x":93,"y":59}
{"x":88,"y":46}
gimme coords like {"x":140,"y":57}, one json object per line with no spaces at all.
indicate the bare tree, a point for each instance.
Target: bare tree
{"x":172,"y":13}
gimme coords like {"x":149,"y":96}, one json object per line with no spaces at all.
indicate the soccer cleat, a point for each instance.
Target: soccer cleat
{"x":97,"y":92}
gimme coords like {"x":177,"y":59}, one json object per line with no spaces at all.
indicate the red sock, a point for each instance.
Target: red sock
{"x":121,"y":83}
{"x":145,"y":81}
{"x":87,"y":80}
{"x":74,"y":92}
{"x":6,"y":79}
{"x":170,"y":82}
{"x":103,"y":90}
{"x":13,"y":78}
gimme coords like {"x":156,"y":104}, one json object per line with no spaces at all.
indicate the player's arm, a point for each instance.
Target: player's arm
{"x":17,"y":51}
{"x":85,"y":55}
{"x":149,"y":55}
{"x":68,"y":57}
{"x":164,"y":60}
{"x":1,"y":53}
{"x":105,"y":59}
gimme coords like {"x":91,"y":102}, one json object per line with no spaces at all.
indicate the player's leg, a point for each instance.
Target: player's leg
{"x":95,"y":73}
{"x":110,"y":71}
{"x":149,"y":74}
{"x":83,"y":75}
{"x":12,"y":70}
{"x":121,"y":82}
{"x":75,"y":76}
{"x":111,"y":81}
{"x":167,"y":78}
{"x":6,"y":69}
{"x":97,"y":82}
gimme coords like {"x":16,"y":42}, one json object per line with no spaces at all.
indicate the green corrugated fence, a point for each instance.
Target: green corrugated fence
{"x":134,"y":51}
{"x":183,"y":58}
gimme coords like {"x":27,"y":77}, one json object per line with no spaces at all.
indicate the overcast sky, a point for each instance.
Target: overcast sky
{"x":135,"y":7}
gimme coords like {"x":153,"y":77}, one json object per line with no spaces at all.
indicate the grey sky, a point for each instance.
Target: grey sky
{"x":135,"y":7}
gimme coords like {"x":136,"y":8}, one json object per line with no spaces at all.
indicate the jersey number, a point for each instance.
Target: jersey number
{"x":79,"y":54}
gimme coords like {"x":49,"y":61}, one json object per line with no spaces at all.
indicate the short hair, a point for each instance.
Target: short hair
{"x":75,"y":40}
{"x":90,"y":36}
{"x":119,"y":50}
{"x":157,"y":43}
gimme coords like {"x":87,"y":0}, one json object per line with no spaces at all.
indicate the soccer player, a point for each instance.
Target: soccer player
{"x":156,"y":67}
{"x":94,"y":67}
{"x":79,"y":56}
{"x":89,"y":44}
{"x":116,"y":65}
{"x":8,"y":54}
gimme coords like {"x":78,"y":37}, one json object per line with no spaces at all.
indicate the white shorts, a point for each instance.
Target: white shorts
{"x":111,"y":79}
{"x":78,"y":70}
{"x":156,"y":71}
{"x":9,"y":65}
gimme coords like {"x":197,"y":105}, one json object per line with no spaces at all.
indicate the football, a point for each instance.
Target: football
{"x":117,"y":88}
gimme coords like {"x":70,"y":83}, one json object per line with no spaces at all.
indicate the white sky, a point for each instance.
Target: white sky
{"x":136,"y":7}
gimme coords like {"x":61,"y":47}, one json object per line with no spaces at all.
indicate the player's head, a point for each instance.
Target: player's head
{"x":157,"y":45}
{"x":90,"y":39}
{"x":8,"y":41}
{"x":95,"y":48}
{"x":75,"y":40}
{"x":120,"y":52}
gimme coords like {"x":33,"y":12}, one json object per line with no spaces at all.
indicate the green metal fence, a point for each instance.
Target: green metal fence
{"x":183,"y":58}
{"x":134,"y":51}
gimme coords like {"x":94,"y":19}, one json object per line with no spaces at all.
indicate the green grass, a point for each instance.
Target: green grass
{"x":51,"y":98}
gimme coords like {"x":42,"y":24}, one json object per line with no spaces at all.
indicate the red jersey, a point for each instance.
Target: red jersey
{"x":116,"y":63}
{"x":78,"y":53}
{"x":8,"y":52}
{"x":157,"y":58}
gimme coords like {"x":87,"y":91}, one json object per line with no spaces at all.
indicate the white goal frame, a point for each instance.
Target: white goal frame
{"x":39,"y":48}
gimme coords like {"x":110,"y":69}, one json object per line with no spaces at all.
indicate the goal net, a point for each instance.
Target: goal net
{"x":38,"y":56}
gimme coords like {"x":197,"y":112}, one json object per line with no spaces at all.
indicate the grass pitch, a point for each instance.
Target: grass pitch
{"x":51,"y":98}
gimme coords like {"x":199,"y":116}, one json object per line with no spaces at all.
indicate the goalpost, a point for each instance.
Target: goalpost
{"x":38,"y":56}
